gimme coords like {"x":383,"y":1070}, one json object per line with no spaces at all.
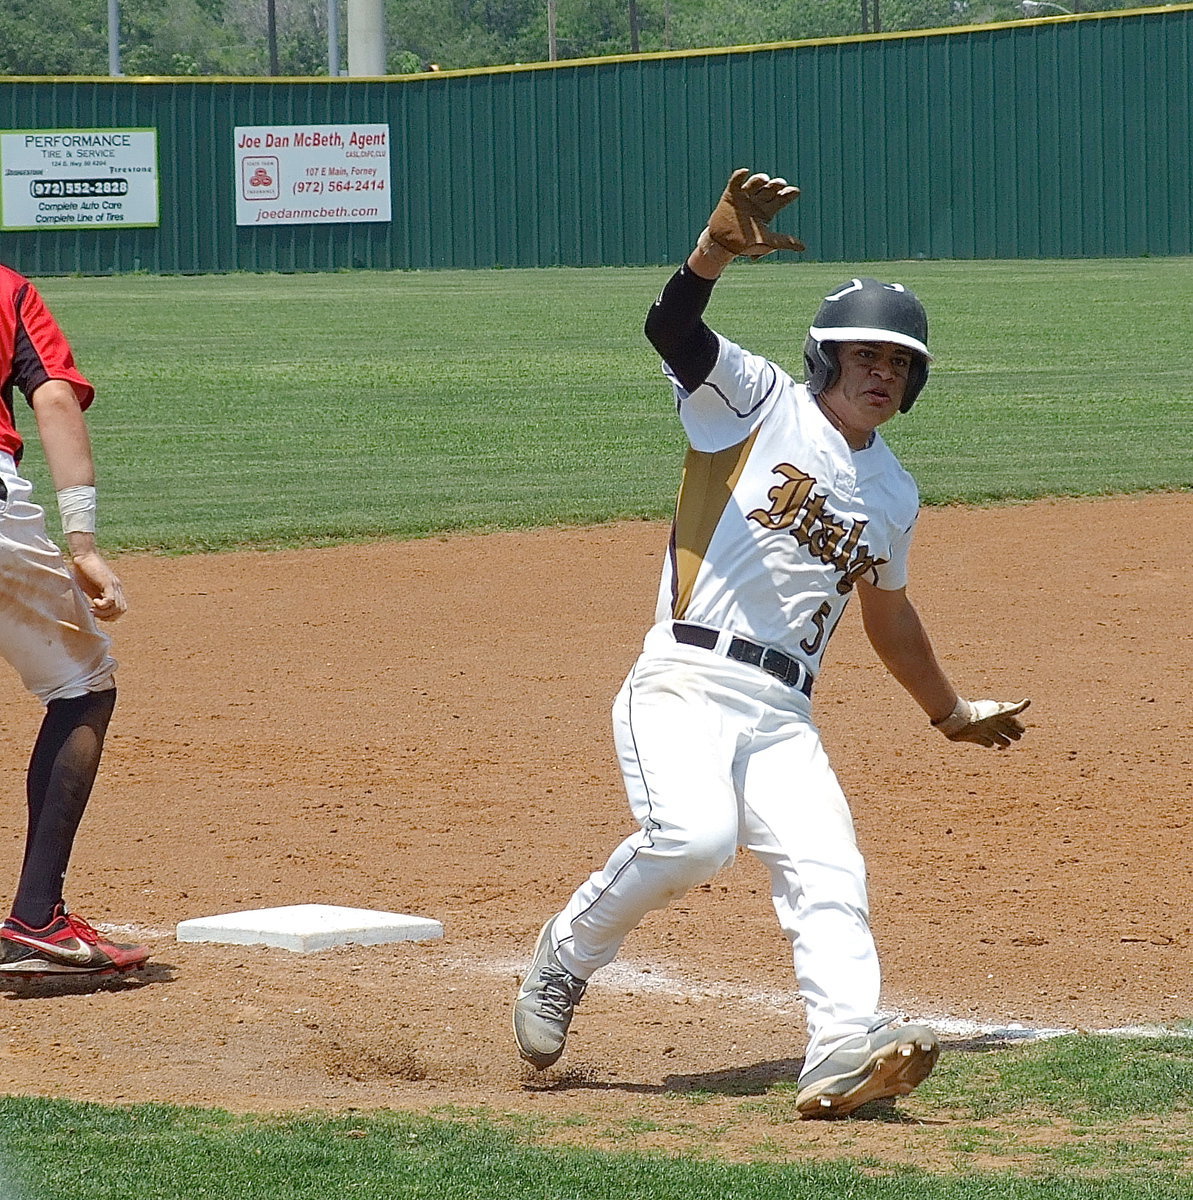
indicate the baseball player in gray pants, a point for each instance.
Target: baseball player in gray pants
{"x":790,"y":503}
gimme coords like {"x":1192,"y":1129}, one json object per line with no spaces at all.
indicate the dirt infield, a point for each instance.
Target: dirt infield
{"x":423,"y":727}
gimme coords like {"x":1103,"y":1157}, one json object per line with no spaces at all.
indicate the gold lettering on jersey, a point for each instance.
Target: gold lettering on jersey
{"x":797,"y":507}
{"x":813,"y":643}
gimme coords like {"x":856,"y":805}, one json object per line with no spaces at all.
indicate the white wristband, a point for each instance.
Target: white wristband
{"x":957,"y":720}
{"x":711,"y":248}
{"x":76,"y":505}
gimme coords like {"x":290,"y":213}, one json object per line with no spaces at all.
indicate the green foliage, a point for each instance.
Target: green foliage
{"x":53,"y":37}
{"x":481,"y":34}
{"x":204,"y":37}
{"x":760,"y":21}
{"x":265,"y":409}
{"x":301,"y":30}
{"x":458,"y":33}
{"x":174,"y":37}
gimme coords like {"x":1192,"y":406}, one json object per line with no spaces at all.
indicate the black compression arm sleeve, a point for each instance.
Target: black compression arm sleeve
{"x":675,"y":329}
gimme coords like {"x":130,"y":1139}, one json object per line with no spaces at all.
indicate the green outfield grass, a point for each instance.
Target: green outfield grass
{"x":304,"y":409}
{"x":1079,"y":1118}
{"x":301,"y":410}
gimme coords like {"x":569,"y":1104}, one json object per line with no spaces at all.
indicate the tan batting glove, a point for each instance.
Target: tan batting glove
{"x":984,"y":722}
{"x":738,"y":224}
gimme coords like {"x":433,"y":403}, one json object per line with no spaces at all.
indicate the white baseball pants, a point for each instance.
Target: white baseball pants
{"x":47,"y":631}
{"x":717,"y":754}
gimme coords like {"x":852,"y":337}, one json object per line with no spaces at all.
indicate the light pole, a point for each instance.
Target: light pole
{"x":114,"y":37}
{"x":333,"y":38}
{"x":366,"y":38}
{"x":271,"y":34}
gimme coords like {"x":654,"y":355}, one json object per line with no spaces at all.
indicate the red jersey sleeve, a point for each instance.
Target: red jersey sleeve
{"x":40,"y":350}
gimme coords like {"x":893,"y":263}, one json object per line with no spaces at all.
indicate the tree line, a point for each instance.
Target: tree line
{"x":230,"y":37}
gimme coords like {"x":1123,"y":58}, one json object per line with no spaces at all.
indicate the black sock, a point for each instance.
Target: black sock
{"x":61,"y":773}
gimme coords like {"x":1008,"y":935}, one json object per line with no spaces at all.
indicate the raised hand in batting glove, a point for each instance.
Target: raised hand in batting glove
{"x":985,"y":722}
{"x":739,"y":223}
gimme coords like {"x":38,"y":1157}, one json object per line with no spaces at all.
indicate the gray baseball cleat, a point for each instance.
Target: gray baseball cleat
{"x":884,"y":1062}
{"x":545,"y":1004}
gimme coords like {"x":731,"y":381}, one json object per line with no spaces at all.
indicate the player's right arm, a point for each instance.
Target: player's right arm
{"x":67,"y":447}
{"x":737,"y":225}
{"x":675,"y":328}
{"x":43,"y":367}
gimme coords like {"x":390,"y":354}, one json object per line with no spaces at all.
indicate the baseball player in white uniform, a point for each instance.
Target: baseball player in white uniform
{"x":790,"y":503}
{"x":48,"y":633}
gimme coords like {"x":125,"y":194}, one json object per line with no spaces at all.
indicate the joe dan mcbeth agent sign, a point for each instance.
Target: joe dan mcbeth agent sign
{"x":311,"y":174}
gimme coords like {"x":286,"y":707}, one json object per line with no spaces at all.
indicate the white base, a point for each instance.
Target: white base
{"x":307,"y":927}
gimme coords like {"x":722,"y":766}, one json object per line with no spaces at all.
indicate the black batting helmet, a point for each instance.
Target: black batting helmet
{"x":866,"y":310}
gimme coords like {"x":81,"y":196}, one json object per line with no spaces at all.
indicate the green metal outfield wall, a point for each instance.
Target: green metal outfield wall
{"x":1067,"y":137}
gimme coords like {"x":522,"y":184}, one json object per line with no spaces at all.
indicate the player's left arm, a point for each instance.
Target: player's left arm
{"x":900,"y":640}
{"x":67,"y":447}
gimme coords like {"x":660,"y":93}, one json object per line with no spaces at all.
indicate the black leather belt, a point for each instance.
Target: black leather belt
{"x":774,"y":662}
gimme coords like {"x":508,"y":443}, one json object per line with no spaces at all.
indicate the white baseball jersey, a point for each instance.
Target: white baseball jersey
{"x":777,"y":518}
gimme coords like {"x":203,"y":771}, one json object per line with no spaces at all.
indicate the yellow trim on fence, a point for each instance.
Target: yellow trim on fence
{"x":703,"y":52}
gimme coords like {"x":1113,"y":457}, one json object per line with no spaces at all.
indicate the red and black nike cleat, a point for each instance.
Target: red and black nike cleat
{"x":68,"y":945}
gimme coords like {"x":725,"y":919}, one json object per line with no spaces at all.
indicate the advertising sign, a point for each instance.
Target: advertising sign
{"x":311,"y":174}
{"x":78,"y":178}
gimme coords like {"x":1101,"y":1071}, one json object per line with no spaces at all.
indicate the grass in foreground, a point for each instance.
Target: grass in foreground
{"x":1078,"y":1118}
{"x":287,"y":410}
